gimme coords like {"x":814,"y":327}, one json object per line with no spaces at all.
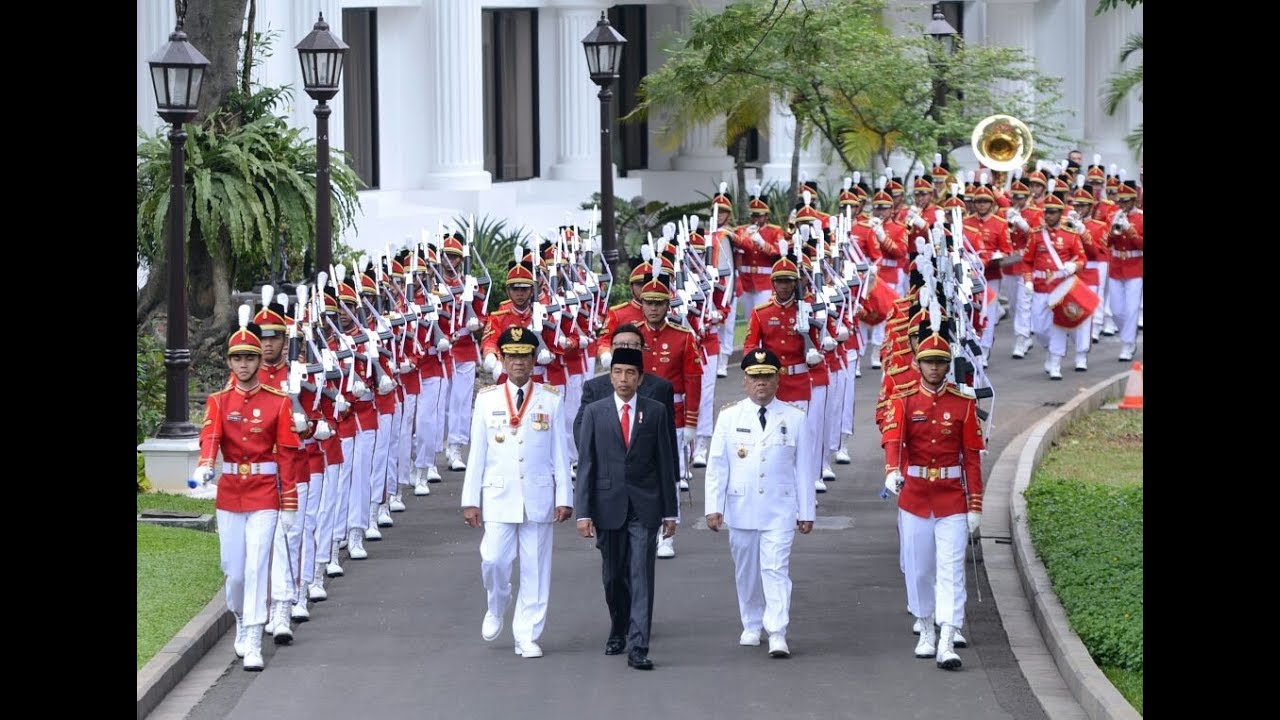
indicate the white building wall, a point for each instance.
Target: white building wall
{"x":431,"y":140}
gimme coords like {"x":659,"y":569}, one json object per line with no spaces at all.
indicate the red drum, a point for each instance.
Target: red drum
{"x":878,"y":304}
{"x":1072,"y":303}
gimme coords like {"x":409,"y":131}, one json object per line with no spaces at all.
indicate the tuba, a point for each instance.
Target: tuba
{"x":1002,"y":142}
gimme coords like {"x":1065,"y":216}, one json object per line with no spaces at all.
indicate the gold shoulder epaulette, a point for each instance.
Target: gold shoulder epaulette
{"x":728,"y":405}
{"x":551,"y":389}
{"x":681,"y":328}
{"x":764,"y":304}
{"x":502,"y":311}
{"x":620,"y":305}
{"x":778,"y":227}
{"x":956,"y":391}
{"x":274,"y":390}
{"x":484,"y":390}
{"x":1001,"y":218}
{"x":907,"y":390}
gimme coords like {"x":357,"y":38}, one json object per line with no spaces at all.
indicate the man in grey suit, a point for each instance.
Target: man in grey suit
{"x":625,"y":489}
{"x":651,"y":386}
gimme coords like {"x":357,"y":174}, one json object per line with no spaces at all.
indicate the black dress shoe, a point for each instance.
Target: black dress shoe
{"x":639,"y":659}
{"x":615,"y":646}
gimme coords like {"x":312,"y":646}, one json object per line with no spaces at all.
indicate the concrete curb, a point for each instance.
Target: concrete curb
{"x":1090,"y":687}
{"x":164,"y":671}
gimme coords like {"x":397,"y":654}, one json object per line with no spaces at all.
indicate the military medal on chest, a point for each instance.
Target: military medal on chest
{"x":742,"y":451}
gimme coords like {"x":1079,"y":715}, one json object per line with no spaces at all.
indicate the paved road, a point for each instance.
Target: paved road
{"x":399,"y":636}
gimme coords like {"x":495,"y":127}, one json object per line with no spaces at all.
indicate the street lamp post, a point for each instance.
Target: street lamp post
{"x":321,"y":54}
{"x":604,"y":54}
{"x":945,"y":37}
{"x":177,"y":70}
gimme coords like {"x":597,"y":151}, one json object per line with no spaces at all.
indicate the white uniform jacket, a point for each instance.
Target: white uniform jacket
{"x":761,"y":479}
{"x":518,"y":474}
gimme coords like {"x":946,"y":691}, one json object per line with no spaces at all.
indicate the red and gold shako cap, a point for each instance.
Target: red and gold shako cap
{"x":1053,"y":202}
{"x":784,"y":268}
{"x":758,"y":206}
{"x":247,"y":339}
{"x":270,"y":319}
{"x":1127,"y":192}
{"x":1083,"y":196}
{"x":882,"y":199}
{"x":520,"y":275}
{"x":641,"y":272}
{"x":934,"y":346}
{"x":453,"y":246}
{"x":655,"y":289}
{"x":922,"y":184}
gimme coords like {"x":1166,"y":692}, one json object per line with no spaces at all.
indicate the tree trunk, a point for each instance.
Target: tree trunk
{"x":796,"y":147}
{"x":215,"y":28}
{"x":740,"y":171}
{"x":153,"y":292}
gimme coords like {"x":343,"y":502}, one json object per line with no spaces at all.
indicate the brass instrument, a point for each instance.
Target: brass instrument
{"x":1002,"y":142}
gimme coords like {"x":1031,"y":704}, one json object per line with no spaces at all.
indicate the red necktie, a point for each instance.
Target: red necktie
{"x":626,"y":425}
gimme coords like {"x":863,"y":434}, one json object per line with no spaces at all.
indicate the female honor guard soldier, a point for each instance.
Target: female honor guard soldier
{"x":758,"y":484}
{"x":932,"y":443}
{"x":247,"y":423}
{"x":517,"y":483}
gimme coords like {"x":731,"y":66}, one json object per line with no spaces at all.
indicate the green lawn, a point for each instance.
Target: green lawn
{"x":167,"y":501}
{"x":1084,"y":510}
{"x":178,"y":573}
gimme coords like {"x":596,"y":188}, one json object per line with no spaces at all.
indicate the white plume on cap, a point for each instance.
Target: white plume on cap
{"x":268,"y":292}
{"x":646,"y":252}
{"x":935,"y":315}
{"x":937,"y":159}
{"x":782,"y":247}
{"x":518,"y":252}
{"x":694,"y":221}
{"x":881,"y":182}
{"x":918,"y":168}
{"x":983,"y":177}
{"x":341,"y":272}
{"x":807,"y":197}
{"x":1079,"y":180}
{"x":804,"y":231}
{"x":755,"y":189}
{"x":322,"y":279}
{"x":669,"y":231}
{"x":957,"y":189}
{"x":1123,"y":174}
{"x":970,"y":176}
{"x":302,"y":293}
{"x":724,"y":187}
{"x":857,"y":177}
{"x":1049,"y":186}
{"x":244,"y":311}
{"x":283,"y":299}
{"x":1097,"y":158}
{"x":848,"y":183}
{"x":1039,"y":165}
{"x":1112,"y":169}
{"x":362,"y":262}
{"x":1017,"y":173}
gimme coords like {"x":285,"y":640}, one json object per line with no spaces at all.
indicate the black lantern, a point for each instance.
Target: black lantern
{"x":604,"y":51}
{"x":939,"y":29}
{"x":177,"y":70}
{"x":321,"y":54}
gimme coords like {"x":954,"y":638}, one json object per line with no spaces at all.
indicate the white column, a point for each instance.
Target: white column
{"x":699,"y":149}
{"x":782,"y":128}
{"x":305,"y":14}
{"x":1060,"y":32}
{"x":1106,"y":35}
{"x":1012,"y":23}
{"x":578,"y":121}
{"x":155,"y":21}
{"x":403,"y":93}
{"x":454,"y":80}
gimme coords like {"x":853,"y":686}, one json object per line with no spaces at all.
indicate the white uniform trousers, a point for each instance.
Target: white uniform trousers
{"x":761,"y":568}
{"x":302,"y":536}
{"x":498,"y":550}
{"x":361,"y":462}
{"x":872,"y":337}
{"x":1019,"y":303}
{"x":1049,"y":335}
{"x":846,"y":414}
{"x":429,"y":424}
{"x":461,"y":394}
{"x":1126,"y":301}
{"x":933,"y":549}
{"x":992,"y":314}
{"x":391,"y":469}
{"x":835,"y":411}
{"x":244,"y":541}
{"x":707,"y":404}
{"x":331,"y":496}
{"x":815,"y":415}
{"x":379,"y":465}
{"x":404,"y":445}
{"x":284,"y":558}
{"x":1102,"y":313}
{"x":591,"y":367}
{"x":572,"y":400}
{"x":726,"y":333}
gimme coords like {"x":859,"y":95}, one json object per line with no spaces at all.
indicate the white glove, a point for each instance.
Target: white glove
{"x":828,"y":344}
{"x":1123,"y":223}
{"x":563,"y":341}
{"x":359,"y":388}
{"x":287,"y":517}
{"x":918,"y":222}
{"x":583,"y":342}
{"x":1022,"y":224}
{"x":606,"y":359}
{"x":715,"y":316}
{"x":683,"y":436}
{"x":491,"y":364}
{"x":813,"y":357}
{"x":893,"y":481}
{"x":340,"y":404}
{"x":406,"y":367}
{"x":1069,"y":268}
{"x":975,"y":519}
{"x":203,"y":475}
{"x":323,"y":431}
{"x":1029,"y":286}
{"x":386,"y":385}
{"x":544,"y":356}
{"x":842,"y":332}
{"x":473,"y":324}
{"x":443,"y":344}
{"x":879,"y":230}
{"x":1073,"y":217}
{"x":299,"y":423}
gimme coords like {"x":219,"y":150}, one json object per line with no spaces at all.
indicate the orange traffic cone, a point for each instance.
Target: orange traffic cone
{"x":1133,"y":389}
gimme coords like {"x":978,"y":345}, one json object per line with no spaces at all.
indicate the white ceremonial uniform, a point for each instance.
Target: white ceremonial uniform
{"x":762,"y":481}
{"x":517,"y":477}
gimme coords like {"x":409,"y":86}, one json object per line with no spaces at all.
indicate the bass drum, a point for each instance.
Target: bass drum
{"x":878,"y":304}
{"x":1072,"y":303}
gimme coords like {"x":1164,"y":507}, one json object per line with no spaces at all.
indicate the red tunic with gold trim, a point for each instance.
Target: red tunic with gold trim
{"x":1018,"y":238}
{"x":293,"y":461}
{"x":464,"y":343}
{"x":1126,"y":249}
{"x":935,"y":440}
{"x":1044,"y":273}
{"x":895,"y":382}
{"x":773,"y":326}
{"x":508,"y":315}
{"x":671,"y":353}
{"x":867,"y":241}
{"x":1095,"y":237}
{"x":755,"y":265}
{"x":989,"y":235}
{"x":894,"y":253}
{"x":247,"y":426}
